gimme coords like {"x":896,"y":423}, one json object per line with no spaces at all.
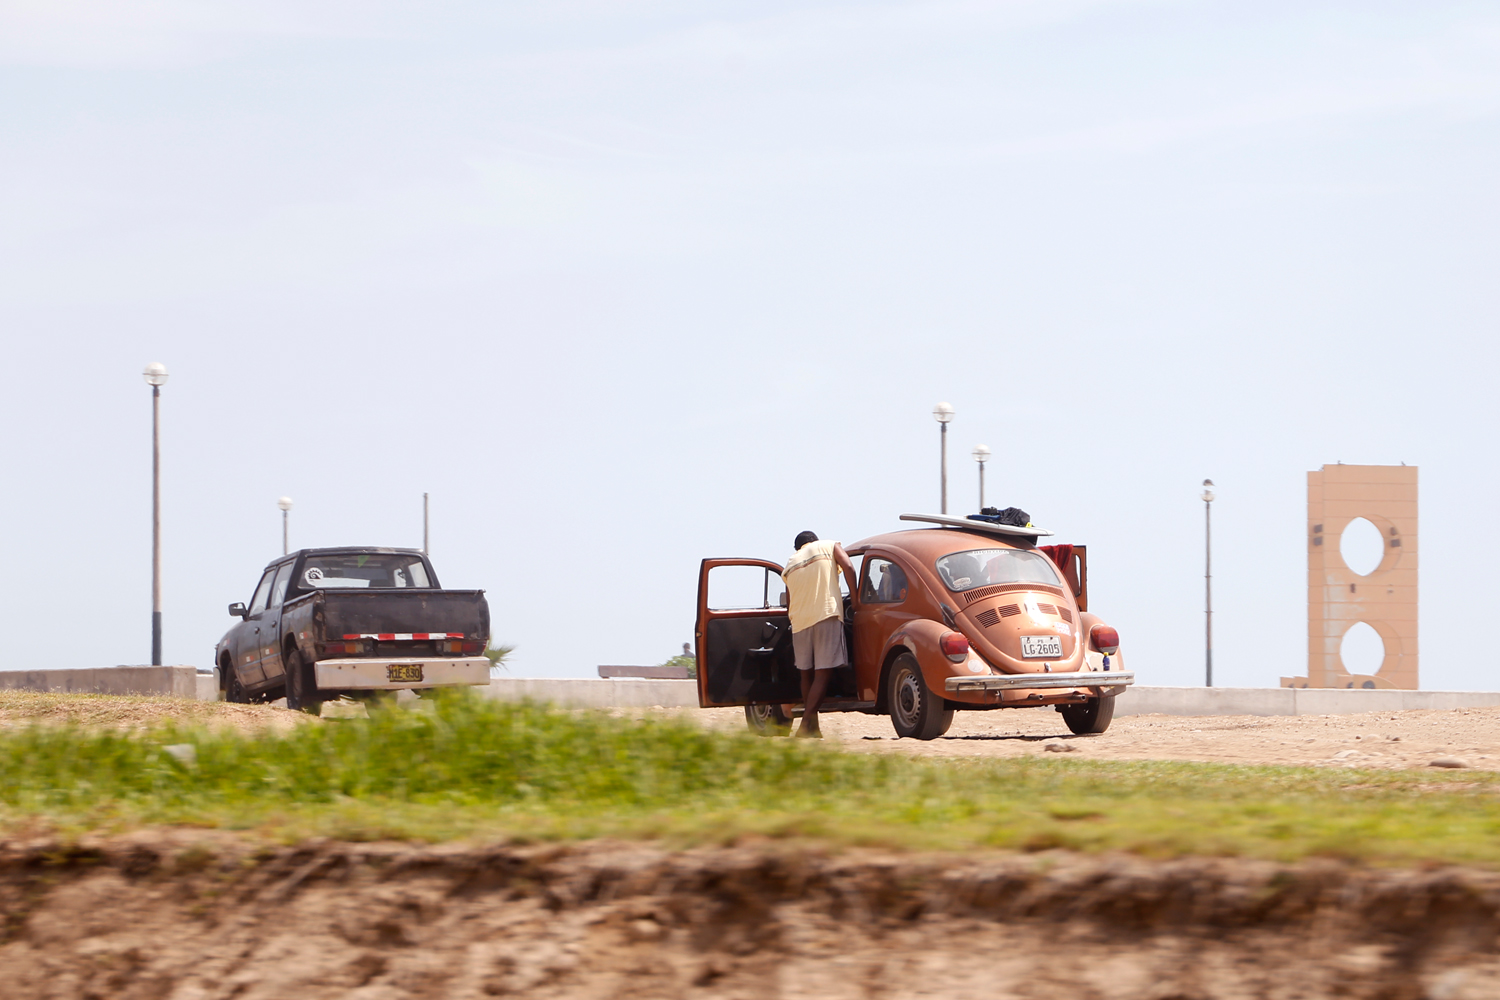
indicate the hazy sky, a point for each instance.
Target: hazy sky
{"x":627,"y":285}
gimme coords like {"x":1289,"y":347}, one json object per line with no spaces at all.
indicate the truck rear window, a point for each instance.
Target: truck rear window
{"x":982,"y":567}
{"x":364,"y":569}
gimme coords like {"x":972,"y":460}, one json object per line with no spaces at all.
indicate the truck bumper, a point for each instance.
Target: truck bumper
{"x":400,"y":673}
{"x":1110,"y":682}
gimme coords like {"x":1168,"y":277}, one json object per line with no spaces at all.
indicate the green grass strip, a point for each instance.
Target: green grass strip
{"x":465,"y":766}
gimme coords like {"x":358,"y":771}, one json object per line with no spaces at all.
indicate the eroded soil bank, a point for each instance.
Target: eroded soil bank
{"x":173,"y":914}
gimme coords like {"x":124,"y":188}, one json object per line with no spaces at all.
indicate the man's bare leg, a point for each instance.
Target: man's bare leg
{"x":813,"y":690}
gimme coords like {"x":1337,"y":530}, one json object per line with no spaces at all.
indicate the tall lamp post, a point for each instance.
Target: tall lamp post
{"x":1208,"y":584}
{"x":981,"y":455}
{"x":156,"y":377}
{"x":285,"y":503}
{"x":943,"y":413}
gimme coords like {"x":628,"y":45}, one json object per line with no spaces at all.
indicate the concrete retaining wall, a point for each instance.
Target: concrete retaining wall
{"x":620,"y":692}
{"x":1291,"y":701}
{"x":587,"y":692}
{"x":178,"y":682}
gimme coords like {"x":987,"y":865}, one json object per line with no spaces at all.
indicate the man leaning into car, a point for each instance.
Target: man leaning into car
{"x":817,"y":613}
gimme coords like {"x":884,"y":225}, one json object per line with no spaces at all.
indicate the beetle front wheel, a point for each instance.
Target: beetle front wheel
{"x":916,"y":712}
{"x":767,"y":720}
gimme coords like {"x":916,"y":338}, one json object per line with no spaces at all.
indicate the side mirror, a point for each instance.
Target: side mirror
{"x":238,"y":609}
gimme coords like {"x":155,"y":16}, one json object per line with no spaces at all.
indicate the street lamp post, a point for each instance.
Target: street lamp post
{"x":943,"y":413}
{"x":981,"y":455}
{"x":1208,"y":584}
{"x":285,"y":503}
{"x":156,"y":377}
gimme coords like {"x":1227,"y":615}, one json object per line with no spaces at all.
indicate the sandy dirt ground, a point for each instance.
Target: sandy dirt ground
{"x":1467,"y":737}
{"x":1470,"y":737}
{"x":127,"y":712}
{"x":177,"y":915}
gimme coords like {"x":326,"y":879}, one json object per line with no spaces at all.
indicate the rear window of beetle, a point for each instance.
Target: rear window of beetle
{"x":962,"y":571}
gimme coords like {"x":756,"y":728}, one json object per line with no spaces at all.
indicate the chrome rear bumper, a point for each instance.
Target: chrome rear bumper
{"x":1036,"y":682}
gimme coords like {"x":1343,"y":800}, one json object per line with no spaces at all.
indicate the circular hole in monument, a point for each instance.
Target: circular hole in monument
{"x":1362,"y":546}
{"x":1363,"y":651}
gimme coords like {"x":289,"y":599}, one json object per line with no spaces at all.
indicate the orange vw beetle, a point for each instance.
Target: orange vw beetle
{"x":963,"y":614}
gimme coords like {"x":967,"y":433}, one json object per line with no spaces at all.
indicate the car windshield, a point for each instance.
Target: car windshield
{"x":364,"y":569}
{"x":983,"y":567}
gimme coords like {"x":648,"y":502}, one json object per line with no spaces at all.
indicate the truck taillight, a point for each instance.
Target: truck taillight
{"x":955,"y":646}
{"x":1105,"y":639}
{"x":472,"y":647}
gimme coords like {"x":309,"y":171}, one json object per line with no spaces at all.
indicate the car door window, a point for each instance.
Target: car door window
{"x":262,"y":593}
{"x":278,"y":589}
{"x":884,"y":583}
{"x":843,"y":583}
{"x":739,"y":588}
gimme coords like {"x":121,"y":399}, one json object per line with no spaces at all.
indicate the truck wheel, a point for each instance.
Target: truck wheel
{"x":1092,"y":717}
{"x":234,"y":691}
{"x":767,"y":720}
{"x":916,"y":712}
{"x":301,"y":689}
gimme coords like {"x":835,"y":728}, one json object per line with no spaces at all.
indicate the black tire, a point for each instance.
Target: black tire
{"x":767,"y":720}
{"x":1091,"y":718}
{"x":301,"y":689}
{"x":234,"y":691}
{"x":916,"y":712}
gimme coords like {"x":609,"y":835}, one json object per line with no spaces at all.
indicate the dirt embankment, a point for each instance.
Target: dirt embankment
{"x":197,"y":915}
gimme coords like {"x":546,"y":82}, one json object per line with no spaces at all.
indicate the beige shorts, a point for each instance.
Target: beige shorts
{"x":821,"y":647}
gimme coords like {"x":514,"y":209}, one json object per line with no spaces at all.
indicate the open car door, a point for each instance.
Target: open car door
{"x":1073,"y":560}
{"x":744,"y":635}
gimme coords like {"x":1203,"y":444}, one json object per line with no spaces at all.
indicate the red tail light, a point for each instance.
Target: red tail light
{"x":955,"y":646}
{"x":1105,"y":639}
{"x":473,"y":647}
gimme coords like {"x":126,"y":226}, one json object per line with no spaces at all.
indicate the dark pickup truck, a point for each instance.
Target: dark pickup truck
{"x":350,"y":621}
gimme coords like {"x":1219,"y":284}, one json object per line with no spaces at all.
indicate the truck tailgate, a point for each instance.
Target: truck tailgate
{"x":380,"y":612}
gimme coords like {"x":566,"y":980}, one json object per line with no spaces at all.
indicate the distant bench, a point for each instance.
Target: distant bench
{"x":658,"y":673}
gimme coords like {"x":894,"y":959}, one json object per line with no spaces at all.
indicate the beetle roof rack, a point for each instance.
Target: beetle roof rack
{"x":979,"y":527}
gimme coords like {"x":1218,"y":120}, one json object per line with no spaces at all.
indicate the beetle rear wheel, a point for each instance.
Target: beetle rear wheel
{"x":1090,"y":718}
{"x":767,"y":720}
{"x":916,"y":712}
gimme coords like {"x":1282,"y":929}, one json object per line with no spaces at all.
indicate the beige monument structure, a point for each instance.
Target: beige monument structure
{"x":1338,"y":597}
